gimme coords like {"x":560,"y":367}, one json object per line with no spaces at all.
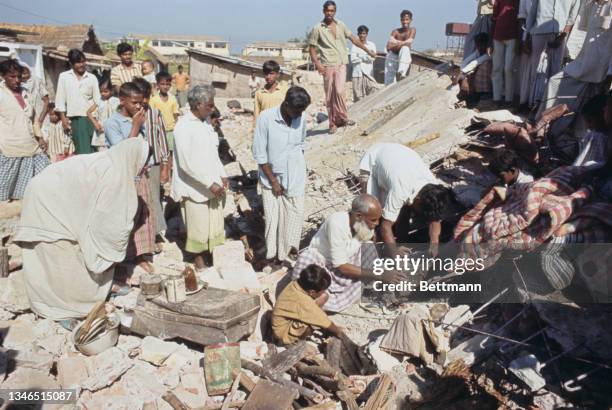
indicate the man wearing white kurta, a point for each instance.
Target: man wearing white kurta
{"x":278,"y":148}
{"x":397,"y":176}
{"x":363,"y":66}
{"x":199,"y":180}
{"x":581,"y":79}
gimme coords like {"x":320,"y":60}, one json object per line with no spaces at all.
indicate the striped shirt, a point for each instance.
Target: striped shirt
{"x":155,"y":134}
{"x":121,"y":74}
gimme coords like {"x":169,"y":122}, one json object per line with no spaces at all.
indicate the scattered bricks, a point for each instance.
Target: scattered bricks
{"x":143,"y":382}
{"x":156,"y":351}
{"x":105,"y":368}
{"x":229,"y":255}
{"x":71,"y":371}
{"x":181,"y":357}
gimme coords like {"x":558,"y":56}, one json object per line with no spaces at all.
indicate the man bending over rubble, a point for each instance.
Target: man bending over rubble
{"x":398,"y":177}
{"x":337,"y":248}
{"x":298,"y":312}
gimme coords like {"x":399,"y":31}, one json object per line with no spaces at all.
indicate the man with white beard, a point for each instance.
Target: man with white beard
{"x":337,"y":247}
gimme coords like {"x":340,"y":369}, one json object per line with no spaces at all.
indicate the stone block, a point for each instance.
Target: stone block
{"x":24,"y":378}
{"x":20,"y":335}
{"x":129,"y":344}
{"x":228,"y":255}
{"x":72,"y":371}
{"x":13,"y":296}
{"x":183,"y":400}
{"x":156,"y":351}
{"x":240,"y":276}
{"x":32,"y":360}
{"x":194,"y":383}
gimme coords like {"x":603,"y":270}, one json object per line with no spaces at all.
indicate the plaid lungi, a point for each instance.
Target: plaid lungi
{"x":142,"y":239}
{"x":342,"y":292}
{"x":16,"y":173}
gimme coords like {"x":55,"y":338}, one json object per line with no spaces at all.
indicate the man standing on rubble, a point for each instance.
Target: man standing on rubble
{"x":398,"y":177}
{"x":337,"y":247}
{"x":278,"y":148}
{"x":328,"y":40}
{"x":199,"y":180}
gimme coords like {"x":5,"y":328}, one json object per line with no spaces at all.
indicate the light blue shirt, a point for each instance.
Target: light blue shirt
{"x":117,"y":128}
{"x":282,"y":147}
{"x":551,"y":16}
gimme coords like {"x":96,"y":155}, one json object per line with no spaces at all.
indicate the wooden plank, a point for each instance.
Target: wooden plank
{"x":380,"y":398}
{"x":279,"y":363}
{"x":232,"y":393}
{"x":246,"y":382}
{"x":269,"y":395}
{"x":387,"y":116}
{"x":4,"y":262}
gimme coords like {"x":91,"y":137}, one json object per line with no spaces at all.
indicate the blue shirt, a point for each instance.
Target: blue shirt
{"x":117,"y":128}
{"x":282,"y":147}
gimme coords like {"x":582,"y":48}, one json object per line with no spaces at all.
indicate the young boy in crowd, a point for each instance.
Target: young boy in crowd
{"x":59,"y":143}
{"x":475,"y":78}
{"x":102,"y":111}
{"x":168,"y":105}
{"x":505,"y":166}
{"x":594,"y":147}
{"x":298,"y":311}
{"x":273,"y":93}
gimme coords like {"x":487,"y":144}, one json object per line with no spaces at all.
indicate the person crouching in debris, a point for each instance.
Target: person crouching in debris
{"x":199,"y":180}
{"x":337,"y":246}
{"x":505,"y":166}
{"x":403,"y":183}
{"x":278,"y":148}
{"x":475,"y":77}
{"x":75,"y":226}
{"x":298,"y":311}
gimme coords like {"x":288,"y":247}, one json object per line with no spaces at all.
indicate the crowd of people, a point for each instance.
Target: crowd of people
{"x":89,"y":165}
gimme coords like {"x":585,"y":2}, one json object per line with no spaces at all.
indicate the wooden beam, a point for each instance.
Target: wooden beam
{"x":388,"y":115}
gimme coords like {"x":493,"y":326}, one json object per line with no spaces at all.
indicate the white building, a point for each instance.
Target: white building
{"x":172,"y":45}
{"x":289,"y":51}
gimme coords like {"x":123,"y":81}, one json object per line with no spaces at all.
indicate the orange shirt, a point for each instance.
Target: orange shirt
{"x":180,"y":81}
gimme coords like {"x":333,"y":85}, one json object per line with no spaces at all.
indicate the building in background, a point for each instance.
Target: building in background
{"x":177,"y":45}
{"x":229,"y":75}
{"x":291,"y":53}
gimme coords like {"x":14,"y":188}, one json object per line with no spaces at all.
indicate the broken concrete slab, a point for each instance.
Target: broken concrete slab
{"x":129,"y":344}
{"x":105,"y":368}
{"x":25,"y":379}
{"x":195,"y":383}
{"x":127,"y":301}
{"x":229,"y":255}
{"x":182,"y":357}
{"x":6,"y":315}
{"x":253,"y":350}
{"x":19,"y":336}
{"x":32,"y":360}
{"x":156,"y":351}
{"x":143,"y":382}
{"x":72,"y":371}
{"x":55,"y":344}
{"x":471,"y":350}
{"x":239,"y":276}
{"x":13,"y":296}
{"x":168,"y":376}
{"x":181,"y":399}
{"x":527,"y":369}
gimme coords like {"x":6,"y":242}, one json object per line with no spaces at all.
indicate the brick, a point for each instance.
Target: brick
{"x":105,"y":368}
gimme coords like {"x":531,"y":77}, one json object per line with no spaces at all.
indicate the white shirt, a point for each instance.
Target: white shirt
{"x":471,"y":62}
{"x":398,"y":174}
{"x":335,"y":241}
{"x":361,"y":61}
{"x":592,"y":63}
{"x":75,"y":96}
{"x":196,"y":160}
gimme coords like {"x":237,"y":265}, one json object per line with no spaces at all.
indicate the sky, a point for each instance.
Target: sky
{"x":241,"y":21}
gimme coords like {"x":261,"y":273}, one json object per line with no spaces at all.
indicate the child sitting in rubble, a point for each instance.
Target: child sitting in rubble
{"x":505,"y":166}
{"x":298,"y":311}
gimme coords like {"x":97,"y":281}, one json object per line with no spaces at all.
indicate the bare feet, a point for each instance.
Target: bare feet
{"x":333,"y":129}
{"x":199,"y":263}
